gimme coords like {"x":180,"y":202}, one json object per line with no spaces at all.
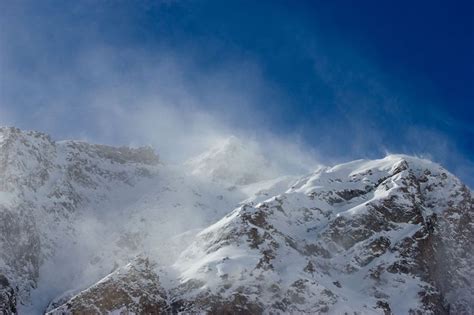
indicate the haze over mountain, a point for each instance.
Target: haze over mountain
{"x":95,"y":229}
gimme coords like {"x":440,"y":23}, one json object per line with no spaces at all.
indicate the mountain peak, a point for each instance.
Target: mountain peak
{"x":234,"y":162}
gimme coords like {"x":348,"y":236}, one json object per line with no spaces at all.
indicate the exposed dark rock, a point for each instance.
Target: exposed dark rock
{"x":7,"y":297}
{"x":134,"y":288}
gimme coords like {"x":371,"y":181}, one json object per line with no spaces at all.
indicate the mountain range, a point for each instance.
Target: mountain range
{"x":97,"y":229}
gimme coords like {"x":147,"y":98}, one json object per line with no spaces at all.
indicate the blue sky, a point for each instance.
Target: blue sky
{"x":341,"y":79}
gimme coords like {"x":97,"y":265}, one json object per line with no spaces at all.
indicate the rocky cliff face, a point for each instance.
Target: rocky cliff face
{"x":44,"y":188}
{"x":389,"y":236}
{"x":134,"y":288}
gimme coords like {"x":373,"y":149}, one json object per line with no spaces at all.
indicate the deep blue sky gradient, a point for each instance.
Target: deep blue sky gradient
{"x":353,"y":79}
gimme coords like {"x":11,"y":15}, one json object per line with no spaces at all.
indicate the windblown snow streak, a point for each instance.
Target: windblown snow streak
{"x":93,"y":229}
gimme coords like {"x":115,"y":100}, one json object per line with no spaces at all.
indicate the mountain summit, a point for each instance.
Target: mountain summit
{"x":93,"y":229}
{"x":233,"y":161}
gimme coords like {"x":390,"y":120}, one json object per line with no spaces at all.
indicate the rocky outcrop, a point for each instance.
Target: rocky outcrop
{"x":7,"y":297}
{"x":134,"y":289}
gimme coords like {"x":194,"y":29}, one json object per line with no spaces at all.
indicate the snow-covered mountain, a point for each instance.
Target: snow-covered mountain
{"x":94,"y":229}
